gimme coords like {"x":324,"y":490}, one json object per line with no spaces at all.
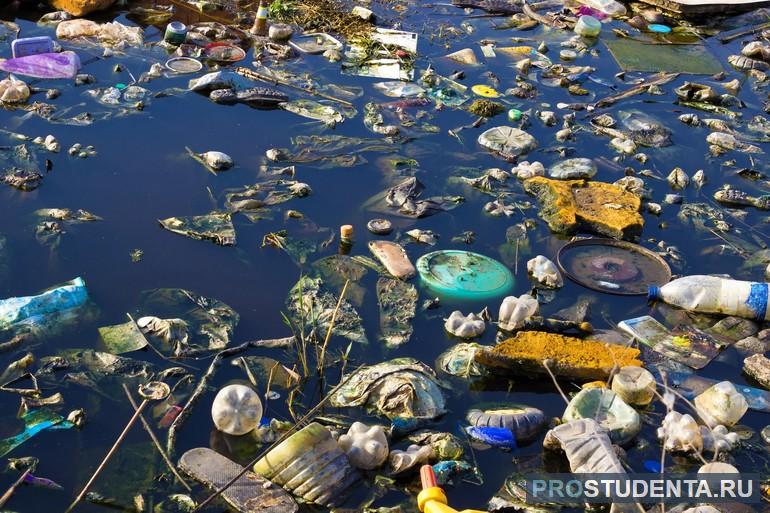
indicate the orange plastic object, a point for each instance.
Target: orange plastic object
{"x":432,"y":498}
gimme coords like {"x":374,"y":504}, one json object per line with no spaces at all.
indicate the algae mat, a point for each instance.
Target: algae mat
{"x":633,"y":55}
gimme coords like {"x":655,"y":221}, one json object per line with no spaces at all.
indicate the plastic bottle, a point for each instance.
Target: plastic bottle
{"x":588,"y":26}
{"x":260,"y":23}
{"x":710,"y":294}
{"x":610,"y":7}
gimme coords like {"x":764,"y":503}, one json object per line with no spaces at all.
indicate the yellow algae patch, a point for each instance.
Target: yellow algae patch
{"x":572,"y":205}
{"x":568,"y":356}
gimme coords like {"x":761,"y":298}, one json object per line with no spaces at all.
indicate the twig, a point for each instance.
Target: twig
{"x":745,"y":32}
{"x":114,"y":448}
{"x":280,"y":439}
{"x":155,"y":440}
{"x":659,"y":79}
{"x":9,"y":492}
{"x":14,"y":342}
{"x":254,"y":75}
{"x":322,"y":358}
{"x":516,"y":262}
{"x":561,"y":392}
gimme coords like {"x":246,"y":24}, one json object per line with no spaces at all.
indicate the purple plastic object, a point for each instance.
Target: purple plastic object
{"x":584,"y":10}
{"x":44,"y":65}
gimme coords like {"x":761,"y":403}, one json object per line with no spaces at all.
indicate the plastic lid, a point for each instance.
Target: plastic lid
{"x":653,"y":292}
{"x":514,"y":114}
{"x":612,"y":266}
{"x":177,"y":26}
{"x":590,"y":22}
{"x":485,"y":91}
{"x":464,"y":275}
{"x":184,"y":65}
{"x":660,"y":29}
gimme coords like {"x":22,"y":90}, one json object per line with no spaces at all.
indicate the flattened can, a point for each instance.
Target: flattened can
{"x":176,"y":33}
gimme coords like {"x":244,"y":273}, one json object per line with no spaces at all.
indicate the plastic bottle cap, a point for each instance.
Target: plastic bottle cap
{"x":346,"y":232}
{"x":485,"y":91}
{"x":660,"y":29}
{"x":653,"y":292}
{"x":514,"y":114}
{"x":590,"y":22}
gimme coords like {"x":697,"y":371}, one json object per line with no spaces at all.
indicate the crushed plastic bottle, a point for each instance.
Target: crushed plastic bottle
{"x":711,"y":294}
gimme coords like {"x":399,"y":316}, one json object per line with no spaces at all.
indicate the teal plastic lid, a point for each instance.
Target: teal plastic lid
{"x":464,"y":275}
{"x":660,"y":29}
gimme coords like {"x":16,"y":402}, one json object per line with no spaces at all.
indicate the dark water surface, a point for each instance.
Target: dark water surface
{"x":141,"y":173}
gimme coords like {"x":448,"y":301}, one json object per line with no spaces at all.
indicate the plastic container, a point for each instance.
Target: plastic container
{"x":26,"y":46}
{"x":710,"y":294}
{"x":588,"y":26}
{"x":609,"y":7}
{"x":310,"y":465}
{"x":176,"y":33}
{"x":463,"y":275}
{"x":721,"y":404}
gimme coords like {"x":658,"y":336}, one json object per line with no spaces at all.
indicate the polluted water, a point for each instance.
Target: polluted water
{"x":281,"y":256}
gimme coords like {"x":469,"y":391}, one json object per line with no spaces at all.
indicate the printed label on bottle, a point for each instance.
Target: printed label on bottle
{"x":262,"y":13}
{"x":757,"y":300}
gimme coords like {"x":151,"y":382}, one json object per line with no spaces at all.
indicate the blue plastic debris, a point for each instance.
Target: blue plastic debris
{"x":494,"y":436}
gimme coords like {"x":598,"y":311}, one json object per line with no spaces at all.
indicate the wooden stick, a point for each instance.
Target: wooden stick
{"x":659,"y":79}
{"x":331,"y":327}
{"x":254,"y":75}
{"x":9,"y":491}
{"x":155,"y":440}
{"x":745,"y":32}
{"x":109,"y":455}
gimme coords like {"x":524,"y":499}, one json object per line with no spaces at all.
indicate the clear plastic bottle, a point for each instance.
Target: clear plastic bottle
{"x":711,"y":294}
{"x":610,"y":7}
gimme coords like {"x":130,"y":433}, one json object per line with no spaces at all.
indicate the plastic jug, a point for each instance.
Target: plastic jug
{"x":610,"y":7}
{"x":711,"y":294}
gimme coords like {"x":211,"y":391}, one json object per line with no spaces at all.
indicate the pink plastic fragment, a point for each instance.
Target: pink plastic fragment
{"x":44,"y":65}
{"x":584,"y":10}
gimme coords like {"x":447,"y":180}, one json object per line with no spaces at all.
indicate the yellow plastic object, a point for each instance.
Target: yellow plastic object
{"x":432,"y":498}
{"x":485,"y":91}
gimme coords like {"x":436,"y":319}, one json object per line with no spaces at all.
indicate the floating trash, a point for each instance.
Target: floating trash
{"x":184,"y":65}
{"x":223,"y":52}
{"x":611,"y":266}
{"x":462,"y":275}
